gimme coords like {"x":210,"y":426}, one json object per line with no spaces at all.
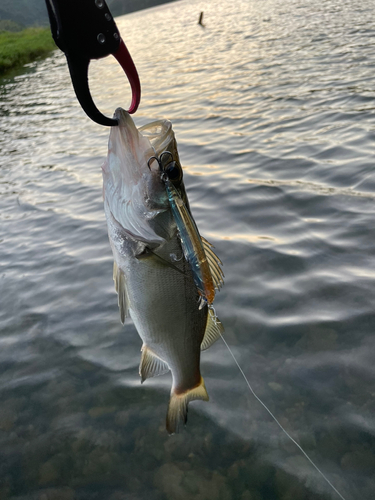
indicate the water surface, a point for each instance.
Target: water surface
{"x":273,"y":108}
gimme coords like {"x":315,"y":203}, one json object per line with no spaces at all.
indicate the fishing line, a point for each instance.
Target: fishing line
{"x":278,"y":423}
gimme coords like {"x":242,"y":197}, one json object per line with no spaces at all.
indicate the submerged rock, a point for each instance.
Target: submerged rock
{"x":122,"y":418}
{"x":275,"y":386}
{"x":361,"y":460}
{"x":168,"y":480}
{"x":251,"y":495}
{"x":48,"y":472}
{"x":101,"y":463}
{"x":99,"y":411}
{"x":318,"y":339}
{"x":57,"y":494}
{"x":174,"y":482}
{"x":8,"y":418}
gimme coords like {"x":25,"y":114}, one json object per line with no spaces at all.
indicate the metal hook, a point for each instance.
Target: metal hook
{"x":165,"y":153}
{"x":154,"y":158}
{"x":159,"y":159}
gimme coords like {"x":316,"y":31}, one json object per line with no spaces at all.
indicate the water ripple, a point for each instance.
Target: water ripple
{"x":273,"y":108}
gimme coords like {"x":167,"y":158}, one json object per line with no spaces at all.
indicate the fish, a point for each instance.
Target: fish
{"x":166,"y":274}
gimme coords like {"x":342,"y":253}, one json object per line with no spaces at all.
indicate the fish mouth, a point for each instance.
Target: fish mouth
{"x":134,"y":194}
{"x":161,"y":136}
{"x":129,"y":146}
{"x":134,"y":147}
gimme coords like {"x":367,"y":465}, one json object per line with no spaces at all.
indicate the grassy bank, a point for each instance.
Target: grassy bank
{"x":20,"y":48}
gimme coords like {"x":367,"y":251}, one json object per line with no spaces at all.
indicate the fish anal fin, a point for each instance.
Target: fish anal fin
{"x":214,"y":264}
{"x":178,"y":405}
{"x":119,"y":279}
{"x":214,"y":329}
{"x":151,"y":365}
{"x":115,"y":271}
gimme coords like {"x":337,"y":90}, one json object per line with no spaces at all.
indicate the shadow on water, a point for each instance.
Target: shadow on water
{"x":78,"y":430}
{"x":75,"y":431}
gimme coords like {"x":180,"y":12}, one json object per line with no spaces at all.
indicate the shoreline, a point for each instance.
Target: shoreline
{"x":22,"y":47}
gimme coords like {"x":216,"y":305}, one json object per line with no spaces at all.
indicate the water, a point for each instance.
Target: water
{"x":273,"y":108}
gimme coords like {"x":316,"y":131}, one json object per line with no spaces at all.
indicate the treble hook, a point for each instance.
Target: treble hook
{"x":85,"y":30}
{"x":165,"y":153}
{"x":159,"y":160}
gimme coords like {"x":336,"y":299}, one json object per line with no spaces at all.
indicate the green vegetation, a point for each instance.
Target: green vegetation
{"x":20,"y":48}
{"x":7,"y":25}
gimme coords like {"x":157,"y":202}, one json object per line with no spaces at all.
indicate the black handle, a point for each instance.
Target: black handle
{"x":83,"y":27}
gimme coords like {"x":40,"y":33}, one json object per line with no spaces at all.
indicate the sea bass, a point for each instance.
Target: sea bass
{"x":165,"y":273}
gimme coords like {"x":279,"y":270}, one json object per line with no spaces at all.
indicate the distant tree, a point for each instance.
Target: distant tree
{"x":120,"y":7}
{"x":7,"y":25}
{"x":34,"y":12}
{"x":25,"y":12}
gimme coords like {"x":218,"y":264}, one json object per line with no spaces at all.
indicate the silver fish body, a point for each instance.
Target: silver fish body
{"x":153,"y":278}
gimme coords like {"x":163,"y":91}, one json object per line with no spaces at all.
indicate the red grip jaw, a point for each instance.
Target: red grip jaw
{"x":124,"y":58}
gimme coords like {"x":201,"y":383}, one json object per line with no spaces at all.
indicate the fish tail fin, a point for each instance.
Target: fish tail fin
{"x":178,"y":405}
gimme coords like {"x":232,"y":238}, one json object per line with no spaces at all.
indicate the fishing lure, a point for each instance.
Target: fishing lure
{"x":204,"y":263}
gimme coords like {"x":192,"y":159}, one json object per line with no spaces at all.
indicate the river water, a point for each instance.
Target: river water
{"x":273,"y":106}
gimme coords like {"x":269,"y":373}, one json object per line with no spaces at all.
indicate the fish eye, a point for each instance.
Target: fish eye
{"x":174,"y":172}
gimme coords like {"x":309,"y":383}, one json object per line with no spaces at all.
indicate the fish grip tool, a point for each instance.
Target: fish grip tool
{"x":85,"y":30}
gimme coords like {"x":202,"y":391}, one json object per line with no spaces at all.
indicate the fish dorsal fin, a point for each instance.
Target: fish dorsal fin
{"x":214,"y":329}
{"x":214,"y":263}
{"x":119,"y":279}
{"x":151,"y":365}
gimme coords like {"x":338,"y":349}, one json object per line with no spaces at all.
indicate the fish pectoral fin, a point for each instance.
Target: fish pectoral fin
{"x":145,"y":254}
{"x":214,"y":264}
{"x":148,"y":253}
{"x":214,"y":329}
{"x":151,"y":365}
{"x":119,"y":279}
{"x":178,"y":405}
